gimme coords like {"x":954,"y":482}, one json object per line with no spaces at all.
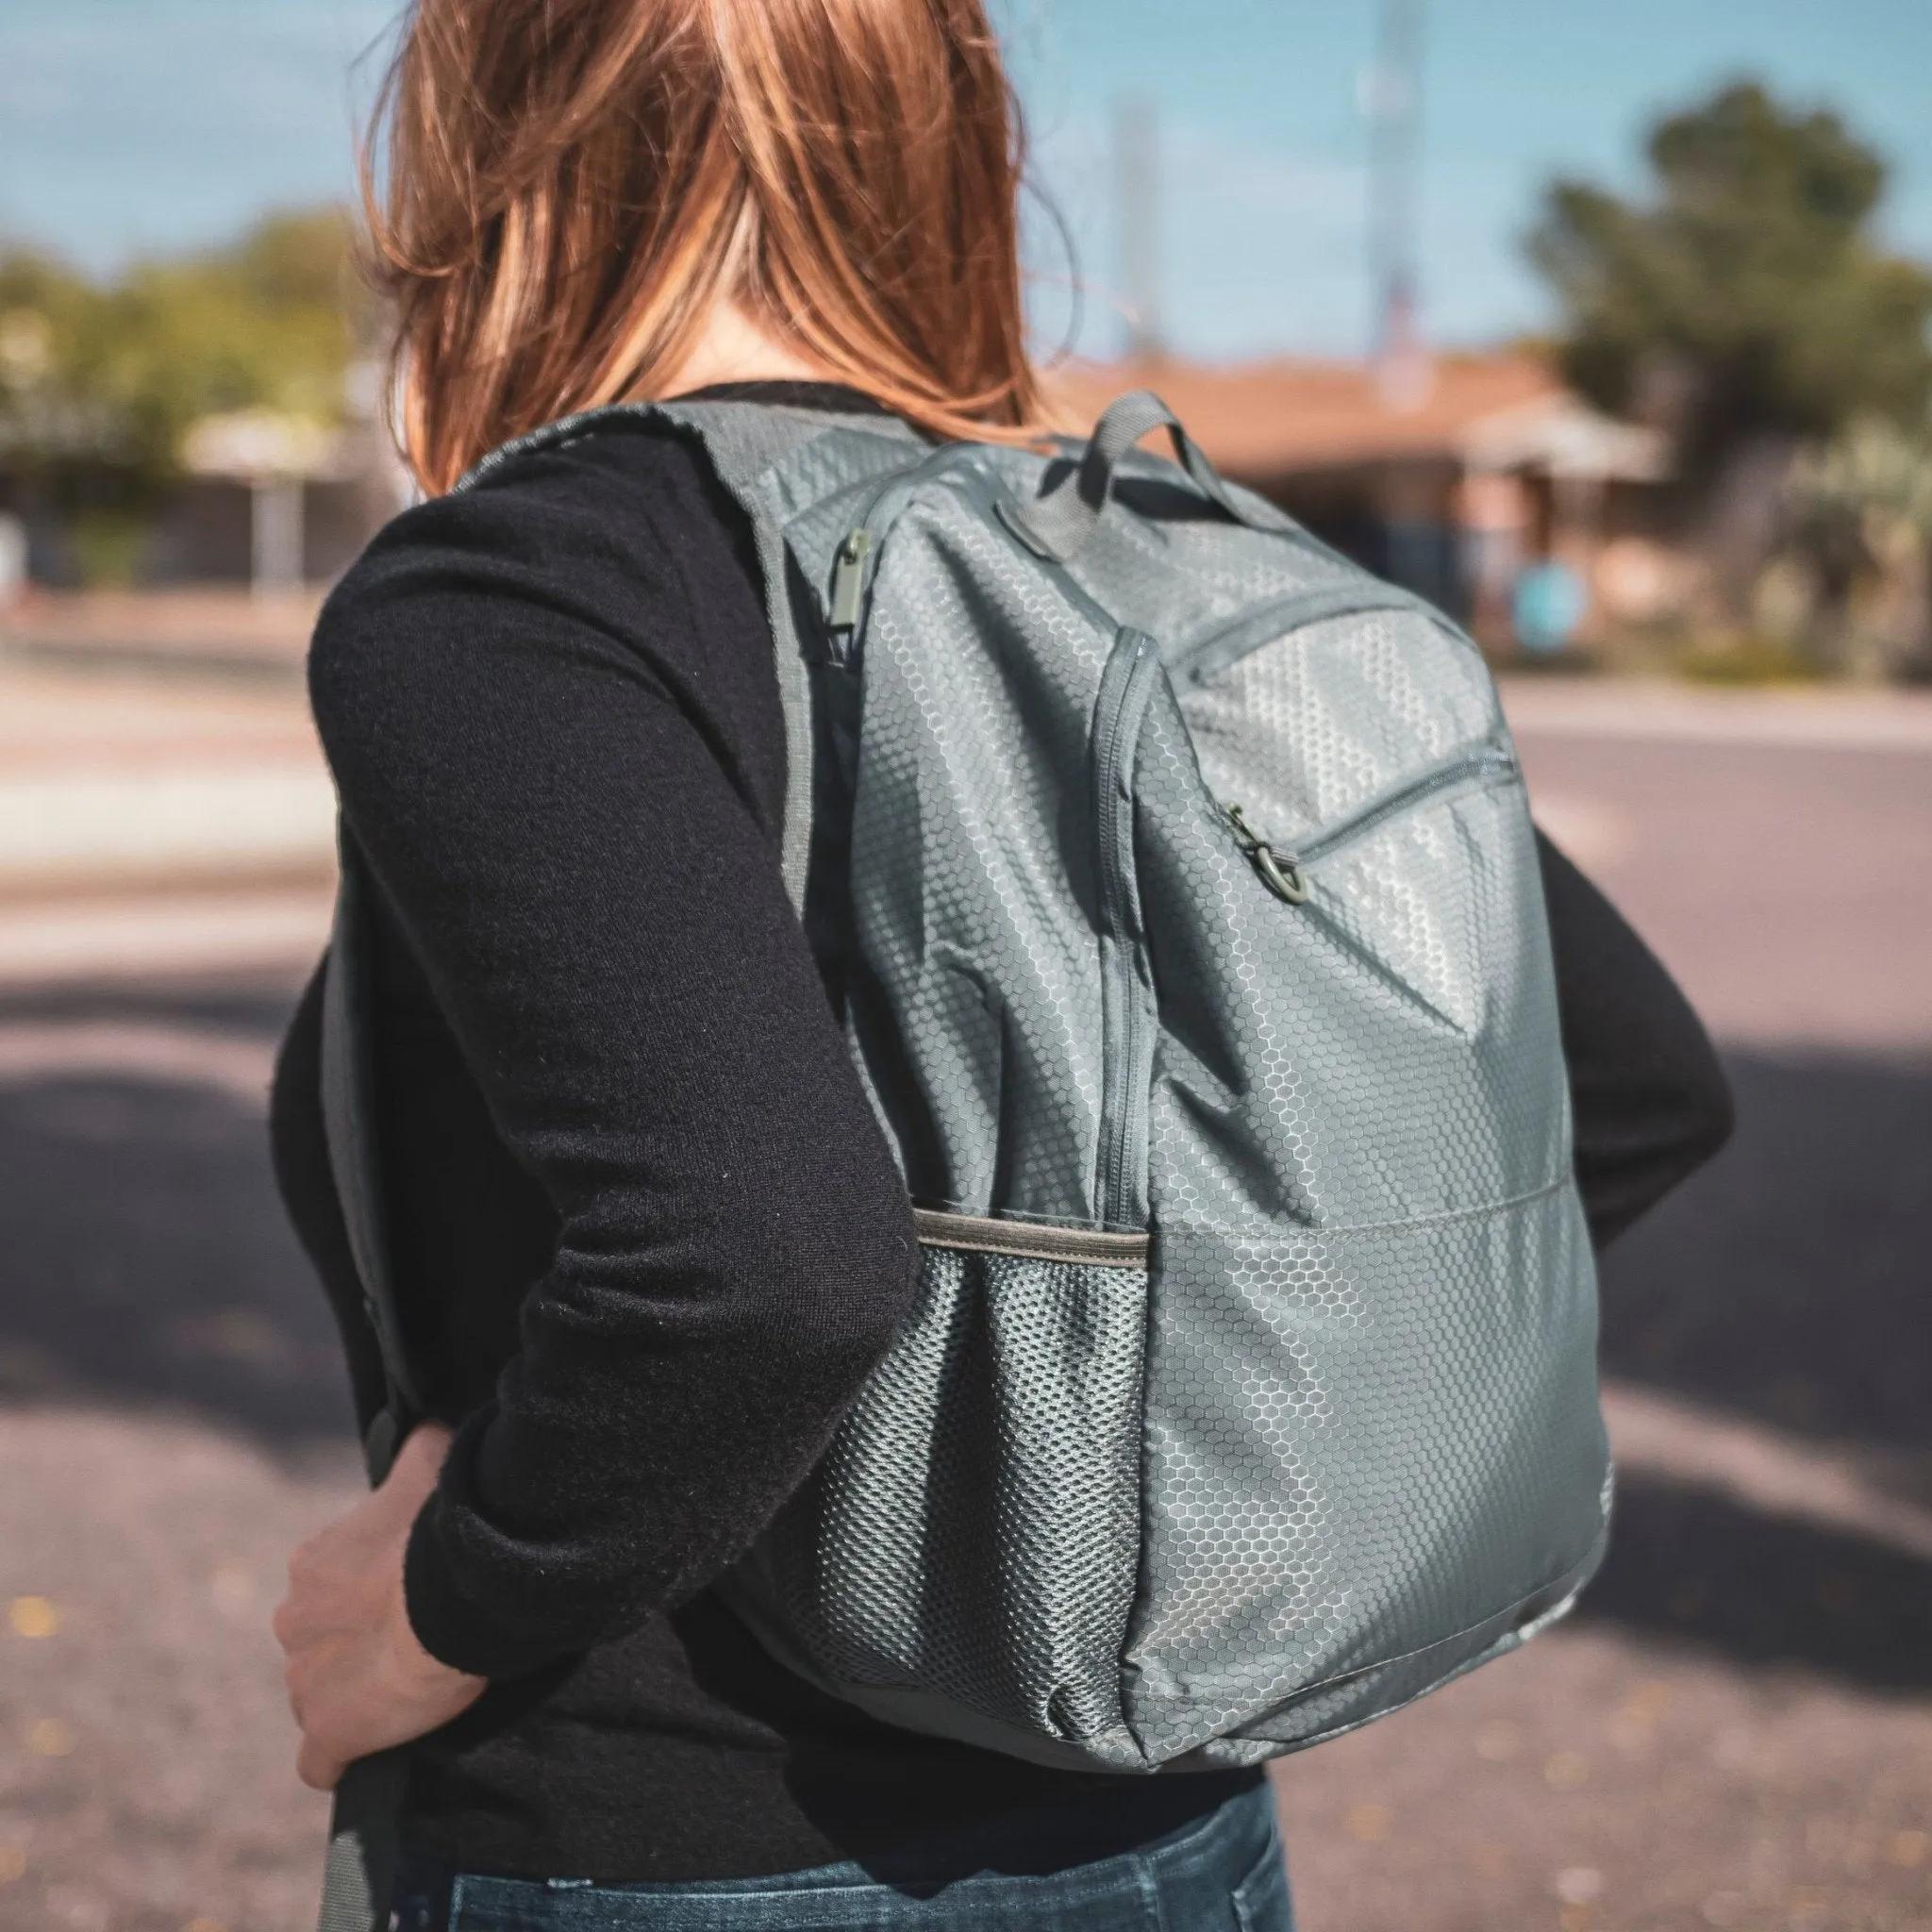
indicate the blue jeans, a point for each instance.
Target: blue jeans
{"x":1223,"y":1873}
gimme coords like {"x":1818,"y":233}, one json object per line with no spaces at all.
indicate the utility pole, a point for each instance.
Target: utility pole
{"x":1137,"y":196}
{"x":1393,"y":99}
{"x":274,"y":533}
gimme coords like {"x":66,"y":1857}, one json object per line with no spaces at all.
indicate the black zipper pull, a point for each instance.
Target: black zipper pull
{"x":1281,"y":873}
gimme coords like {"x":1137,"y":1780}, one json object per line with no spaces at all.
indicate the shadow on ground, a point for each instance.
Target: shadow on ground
{"x":143,"y":1255}
{"x":1791,"y":1281}
{"x":143,"y":1258}
{"x":1700,"y":1569}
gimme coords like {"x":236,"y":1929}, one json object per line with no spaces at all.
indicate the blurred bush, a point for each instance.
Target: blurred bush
{"x":108,"y":547}
{"x":1859,"y":552}
{"x":100,"y":382}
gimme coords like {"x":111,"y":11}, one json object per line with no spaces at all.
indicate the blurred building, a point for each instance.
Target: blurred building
{"x":262,"y":499}
{"x":1452,"y":482}
{"x":277,"y":500}
{"x":1450,"y":485}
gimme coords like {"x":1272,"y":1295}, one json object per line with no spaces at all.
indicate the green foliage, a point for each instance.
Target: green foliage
{"x":1861,"y":533}
{"x":1748,"y":293}
{"x":112,"y":376}
{"x":1745,"y":657}
{"x":1874,"y":472}
{"x":48,"y":319}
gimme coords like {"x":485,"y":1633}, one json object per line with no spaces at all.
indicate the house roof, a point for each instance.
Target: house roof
{"x":1265,"y":420}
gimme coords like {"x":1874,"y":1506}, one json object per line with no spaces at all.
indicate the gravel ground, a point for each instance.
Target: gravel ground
{"x":145,"y":1774}
{"x":1598,"y":1780}
{"x":1736,"y":1731}
{"x":1601,"y":1779}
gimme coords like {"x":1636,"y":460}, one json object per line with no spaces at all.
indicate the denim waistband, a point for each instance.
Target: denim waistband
{"x":1220,"y":1870}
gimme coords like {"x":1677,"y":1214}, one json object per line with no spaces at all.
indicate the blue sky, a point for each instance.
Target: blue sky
{"x":129,"y":124}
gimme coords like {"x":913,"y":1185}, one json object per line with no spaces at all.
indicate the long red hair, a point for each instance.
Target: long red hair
{"x":567,"y":188}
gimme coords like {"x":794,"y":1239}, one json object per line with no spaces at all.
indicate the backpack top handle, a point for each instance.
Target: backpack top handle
{"x":1059,"y":525}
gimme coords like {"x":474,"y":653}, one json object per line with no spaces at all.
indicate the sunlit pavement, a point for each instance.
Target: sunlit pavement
{"x":1736,"y":1731}
{"x":156,"y":824}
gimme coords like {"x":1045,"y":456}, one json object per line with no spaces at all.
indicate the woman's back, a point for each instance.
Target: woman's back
{"x":624,"y":670}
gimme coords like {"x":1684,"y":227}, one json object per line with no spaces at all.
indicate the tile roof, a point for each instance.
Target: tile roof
{"x":1260,"y":419}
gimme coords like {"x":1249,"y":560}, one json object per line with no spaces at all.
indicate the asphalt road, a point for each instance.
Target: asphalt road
{"x":1736,"y":1731}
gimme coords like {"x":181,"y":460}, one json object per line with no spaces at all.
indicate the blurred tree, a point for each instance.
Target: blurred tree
{"x":1747,"y":297}
{"x":111,"y":377}
{"x":47,"y":316}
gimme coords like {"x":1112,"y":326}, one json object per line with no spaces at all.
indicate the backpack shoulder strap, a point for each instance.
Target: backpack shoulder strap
{"x":747,"y":445}
{"x":348,"y":1125}
{"x":359,"y":1875}
{"x":757,"y":451}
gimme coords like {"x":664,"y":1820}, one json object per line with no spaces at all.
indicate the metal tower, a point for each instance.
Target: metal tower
{"x":1393,"y":99}
{"x":1136,"y":193}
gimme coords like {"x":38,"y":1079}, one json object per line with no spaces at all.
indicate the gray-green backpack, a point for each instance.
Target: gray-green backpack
{"x":1174,"y":881}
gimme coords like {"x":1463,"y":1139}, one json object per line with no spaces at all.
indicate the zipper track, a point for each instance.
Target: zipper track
{"x":851,"y":596}
{"x":1294,"y":610}
{"x":1126,"y":683}
{"x":885,"y":505}
{"x":1126,"y":995}
{"x":1367,"y":817}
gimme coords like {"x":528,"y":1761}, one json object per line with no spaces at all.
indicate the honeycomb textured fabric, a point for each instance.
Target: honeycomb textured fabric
{"x":1339,"y":1440}
{"x":980,"y":1506}
{"x":1362,"y":1449}
{"x":977,"y":941}
{"x":1312,"y":728}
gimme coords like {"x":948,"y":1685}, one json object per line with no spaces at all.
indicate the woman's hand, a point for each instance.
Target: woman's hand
{"x":358,"y":1679}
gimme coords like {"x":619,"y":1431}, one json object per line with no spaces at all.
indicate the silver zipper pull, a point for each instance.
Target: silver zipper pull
{"x":848,"y":579}
{"x":1281,"y":873}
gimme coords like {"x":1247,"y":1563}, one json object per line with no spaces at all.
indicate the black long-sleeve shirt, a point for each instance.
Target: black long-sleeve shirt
{"x":647,"y":1238}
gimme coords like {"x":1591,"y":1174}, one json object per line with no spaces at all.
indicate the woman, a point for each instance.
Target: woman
{"x":648,"y":1240}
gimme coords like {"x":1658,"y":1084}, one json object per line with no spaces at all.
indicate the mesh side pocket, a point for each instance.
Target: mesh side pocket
{"x":973,"y":1532}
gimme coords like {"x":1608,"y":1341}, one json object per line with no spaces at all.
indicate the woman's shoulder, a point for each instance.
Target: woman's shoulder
{"x":603,"y":472}
{"x":631,"y":500}
{"x":619,"y":540}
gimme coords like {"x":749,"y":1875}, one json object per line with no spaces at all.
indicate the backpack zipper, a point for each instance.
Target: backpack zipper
{"x":1281,"y":617}
{"x":1127,"y":993}
{"x":848,"y":579}
{"x":853,"y":559}
{"x":1285,"y":873}
{"x":1281,"y":874}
